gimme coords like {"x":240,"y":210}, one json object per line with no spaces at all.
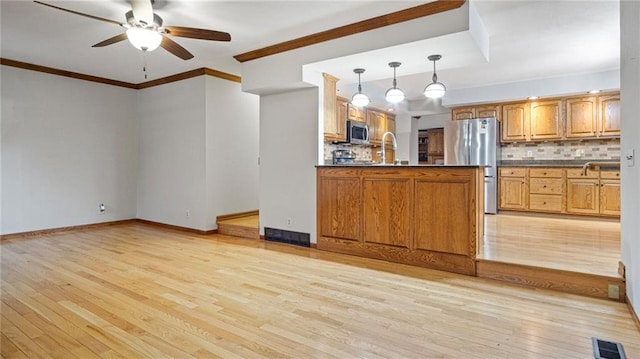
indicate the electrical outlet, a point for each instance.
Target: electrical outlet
{"x":101,"y":208}
{"x":614,"y":291}
{"x":629,"y":157}
{"x":289,"y":222}
{"x":529,"y":153}
{"x":188,"y":213}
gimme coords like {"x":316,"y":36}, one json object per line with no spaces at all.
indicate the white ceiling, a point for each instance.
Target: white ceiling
{"x":529,"y":39}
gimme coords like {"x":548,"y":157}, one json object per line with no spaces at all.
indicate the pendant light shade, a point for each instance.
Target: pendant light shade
{"x":359,"y":99}
{"x":394,"y":94}
{"x":435,"y":89}
{"x":144,"y":39}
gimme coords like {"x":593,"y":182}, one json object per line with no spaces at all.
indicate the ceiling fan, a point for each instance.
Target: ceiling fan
{"x":146,"y":32}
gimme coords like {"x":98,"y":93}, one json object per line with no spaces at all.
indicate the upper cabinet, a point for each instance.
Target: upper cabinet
{"x":546,"y":117}
{"x":609,"y":115}
{"x":330,"y":105}
{"x":377,"y":122}
{"x":390,"y":126}
{"x":515,"y":122}
{"x":582,"y":117}
{"x":483,"y":111}
{"x":566,"y":118}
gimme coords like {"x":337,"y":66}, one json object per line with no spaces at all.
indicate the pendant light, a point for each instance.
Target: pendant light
{"x":359,"y":99}
{"x":435,"y":89}
{"x":394,"y":94}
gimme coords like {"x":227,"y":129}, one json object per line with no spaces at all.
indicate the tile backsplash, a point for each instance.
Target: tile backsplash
{"x":363,"y":153}
{"x":604,"y":149}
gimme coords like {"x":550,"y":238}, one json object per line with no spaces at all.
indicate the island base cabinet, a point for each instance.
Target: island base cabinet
{"x":341,"y":205}
{"x":426,"y":216}
{"x":386,"y":212}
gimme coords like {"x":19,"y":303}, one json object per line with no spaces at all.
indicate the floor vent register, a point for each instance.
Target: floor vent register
{"x":289,"y":237}
{"x":603,"y":349}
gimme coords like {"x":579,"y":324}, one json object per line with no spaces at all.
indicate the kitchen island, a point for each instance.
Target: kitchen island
{"x":425,"y":215}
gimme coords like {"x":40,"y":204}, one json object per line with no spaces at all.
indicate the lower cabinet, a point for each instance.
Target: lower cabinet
{"x":513,"y":189}
{"x":560,"y":190}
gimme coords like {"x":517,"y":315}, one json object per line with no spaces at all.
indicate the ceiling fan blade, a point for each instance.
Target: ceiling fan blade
{"x":194,"y":33}
{"x":79,"y":13}
{"x":175,"y":49}
{"x":112,"y":40}
{"x":142,"y":11}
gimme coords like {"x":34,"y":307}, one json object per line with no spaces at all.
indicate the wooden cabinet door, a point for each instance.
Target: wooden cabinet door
{"x":340,"y":208}
{"x":546,"y":120}
{"x":515,"y":122}
{"x":329,"y":107}
{"x":355,"y":113}
{"x":390,"y":122}
{"x":582,"y":117}
{"x":386,"y":214}
{"x":488,"y":112}
{"x":609,"y":115}
{"x":583,"y":196}
{"x":610,"y":197}
{"x":435,"y":142}
{"x":463,"y":113}
{"x":512,"y":193}
{"x":341,"y":120}
{"x":377,"y":122}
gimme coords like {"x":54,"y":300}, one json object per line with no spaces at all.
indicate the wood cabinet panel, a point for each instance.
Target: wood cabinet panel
{"x":545,"y":203}
{"x":342,"y":207}
{"x":582,"y":117}
{"x":329,"y":106}
{"x":355,"y":113}
{"x":387,"y":204}
{"x":390,"y":126}
{"x":463,"y":113}
{"x":545,"y":172}
{"x":610,"y":197}
{"x":546,"y":117}
{"x":545,"y":186}
{"x":512,"y":193}
{"x":580,"y":174}
{"x":515,"y":122}
{"x":341,"y":120}
{"x":609,"y":115}
{"x":377,"y":122}
{"x":435,"y":228}
{"x":513,"y":172}
{"x":435,"y":142}
{"x":583,"y":196}
{"x":488,"y":112}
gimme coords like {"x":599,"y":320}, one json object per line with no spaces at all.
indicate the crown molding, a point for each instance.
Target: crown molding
{"x":413,"y":13}
{"x":143,"y":85}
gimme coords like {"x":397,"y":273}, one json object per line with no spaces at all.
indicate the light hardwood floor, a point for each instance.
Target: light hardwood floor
{"x":576,"y":244}
{"x":138,"y":291}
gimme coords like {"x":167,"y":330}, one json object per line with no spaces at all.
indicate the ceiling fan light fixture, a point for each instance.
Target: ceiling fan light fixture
{"x":435,"y":89}
{"x":359,"y":99}
{"x":394,"y":94}
{"x":143,"y":39}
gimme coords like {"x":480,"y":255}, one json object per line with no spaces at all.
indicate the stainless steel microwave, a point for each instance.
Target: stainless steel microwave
{"x":357,"y":133}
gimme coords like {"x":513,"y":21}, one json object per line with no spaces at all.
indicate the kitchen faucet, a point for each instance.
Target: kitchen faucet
{"x":395,"y":146}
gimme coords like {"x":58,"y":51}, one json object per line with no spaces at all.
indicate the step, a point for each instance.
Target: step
{"x":586,"y":284}
{"x":244,"y":225}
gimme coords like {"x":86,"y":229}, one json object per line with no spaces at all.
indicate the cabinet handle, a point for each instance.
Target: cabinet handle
{"x":545,"y":186}
{"x":544,"y":174}
{"x":544,"y":202}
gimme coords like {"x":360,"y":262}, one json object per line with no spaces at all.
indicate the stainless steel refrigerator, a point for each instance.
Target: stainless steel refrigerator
{"x":475,"y":142}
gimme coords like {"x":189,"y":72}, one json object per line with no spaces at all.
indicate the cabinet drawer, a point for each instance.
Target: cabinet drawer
{"x":545,"y":202}
{"x":610,"y":174}
{"x":513,"y":171}
{"x":545,"y":186}
{"x":545,"y":172}
{"x":577,"y":173}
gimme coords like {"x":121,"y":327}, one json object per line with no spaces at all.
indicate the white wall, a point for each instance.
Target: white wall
{"x":630,"y":139}
{"x":67,"y":146}
{"x":288,"y":153}
{"x":232,"y":138}
{"x":433,"y":121}
{"x":171,"y":154}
